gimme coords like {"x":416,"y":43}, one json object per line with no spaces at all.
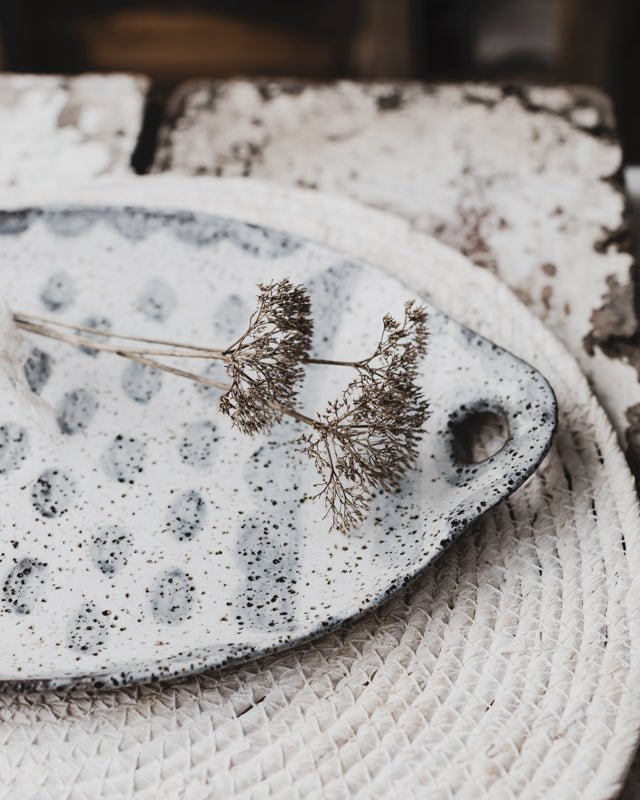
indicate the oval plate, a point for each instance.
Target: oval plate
{"x":141,"y":537}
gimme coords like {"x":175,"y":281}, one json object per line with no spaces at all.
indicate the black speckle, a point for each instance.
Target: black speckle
{"x":186,"y":516}
{"x":25,"y":585}
{"x":14,"y":446}
{"x":87,"y":631}
{"x":37,"y":369}
{"x":76,"y":410}
{"x":198,"y":444}
{"x":157,"y":300}
{"x":58,"y":292}
{"x":110,"y":549}
{"x":53,"y":493}
{"x":171,"y":596}
{"x":141,"y":382}
{"x":124,"y":459}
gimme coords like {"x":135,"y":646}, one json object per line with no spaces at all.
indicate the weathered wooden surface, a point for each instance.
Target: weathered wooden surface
{"x":525,"y":181}
{"x":58,"y":129}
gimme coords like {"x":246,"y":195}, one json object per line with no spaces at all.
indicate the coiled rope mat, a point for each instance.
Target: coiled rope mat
{"x":509,"y":669}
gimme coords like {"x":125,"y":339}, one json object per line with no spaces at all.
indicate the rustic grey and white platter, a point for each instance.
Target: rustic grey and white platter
{"x":142,"y":537}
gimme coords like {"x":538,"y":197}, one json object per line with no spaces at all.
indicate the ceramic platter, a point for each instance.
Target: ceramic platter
{"x":140,"y":535}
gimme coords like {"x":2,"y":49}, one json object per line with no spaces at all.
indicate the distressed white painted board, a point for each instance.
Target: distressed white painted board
{"x":525,"y":181}
{"x":57,"y":129}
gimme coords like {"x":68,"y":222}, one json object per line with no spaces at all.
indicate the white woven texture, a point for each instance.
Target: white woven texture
{"x":509,"y":669}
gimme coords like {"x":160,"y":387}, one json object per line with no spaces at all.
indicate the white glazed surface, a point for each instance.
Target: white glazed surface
{"x":117,"y":589}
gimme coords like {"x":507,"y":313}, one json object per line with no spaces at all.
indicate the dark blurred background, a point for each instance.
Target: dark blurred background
{"x":593,"y":42}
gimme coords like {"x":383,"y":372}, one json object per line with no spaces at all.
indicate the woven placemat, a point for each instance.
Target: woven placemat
{"x":510,"y":668}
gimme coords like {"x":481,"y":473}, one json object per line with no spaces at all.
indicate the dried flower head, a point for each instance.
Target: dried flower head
{"x":265,"y":363}
{"x":368,"y":438}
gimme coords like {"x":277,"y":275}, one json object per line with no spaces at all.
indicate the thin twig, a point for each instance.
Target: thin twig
{"x":83,"y":341}
{"x":20,"y":318}
{"x":150,"y":362}
{"x":26,"y":322}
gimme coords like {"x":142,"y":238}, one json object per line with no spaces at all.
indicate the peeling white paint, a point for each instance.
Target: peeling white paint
{"x":524,"y":192}
{"x":55,"y":129}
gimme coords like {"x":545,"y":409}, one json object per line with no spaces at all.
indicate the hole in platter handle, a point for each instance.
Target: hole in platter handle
{"x":506,"y":439}
{"x":480,"y":431}
{"x":490,"y":440}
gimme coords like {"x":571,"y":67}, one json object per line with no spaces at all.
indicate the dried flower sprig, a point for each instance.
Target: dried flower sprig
{"x":363,"y":441}
{"x":265,"y":363}
{"x":368,"y":438}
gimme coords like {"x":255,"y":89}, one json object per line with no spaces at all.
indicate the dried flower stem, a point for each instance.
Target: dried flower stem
{"x":141,"y":356}
{"x":225,"y":387}
{"x":45,"y":326}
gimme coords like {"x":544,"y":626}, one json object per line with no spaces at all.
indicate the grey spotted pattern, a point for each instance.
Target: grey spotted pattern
{"x":141,"y":382}
{"x":144,"y":536}
{"x":198,"y":445}
{"x":14,"y":446}
{"x":124,"y":458}
{"x":98,"y":322}
{"x":266,"y":598}
{"x":37,"y":369}
{"x":110,"y":549}
{"x":261,"y":242}
{"x":58,"y":292}
{"x":186,"y":516}
{"x":213,"y":371}
{"x":53,"y":493}
{"x":89,"y":629}
{"x":26,"y":585}
{"x":76,"y":410}
{"x":229,"y":319}
{"x":172,"y":596}
{"x":157,"y":301}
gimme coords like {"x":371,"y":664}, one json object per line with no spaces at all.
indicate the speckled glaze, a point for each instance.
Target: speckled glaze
{"x":140,"y":535}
